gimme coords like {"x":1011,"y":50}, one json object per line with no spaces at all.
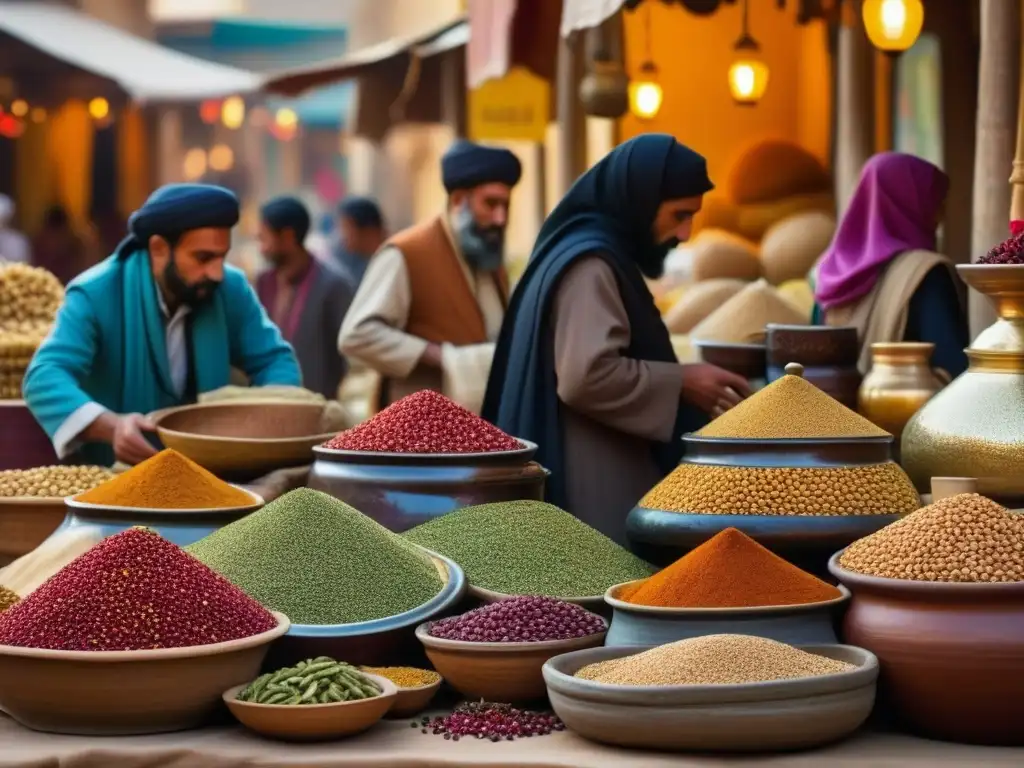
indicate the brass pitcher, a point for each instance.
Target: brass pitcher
{"x":901,"y":380}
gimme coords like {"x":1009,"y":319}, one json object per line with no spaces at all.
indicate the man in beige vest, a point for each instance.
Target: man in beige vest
{"x":433,"y":298}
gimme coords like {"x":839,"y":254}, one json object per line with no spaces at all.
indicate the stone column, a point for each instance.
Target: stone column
{"x":571,"y":121}
{"x":855,"y":113}
{"x":998,"y":132}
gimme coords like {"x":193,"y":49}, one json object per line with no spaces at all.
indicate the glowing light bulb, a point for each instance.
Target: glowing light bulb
{"x":99,"y":108}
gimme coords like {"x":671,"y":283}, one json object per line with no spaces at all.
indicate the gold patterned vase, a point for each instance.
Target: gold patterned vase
{"x":975,"y":426}
{"x":901,"y":380}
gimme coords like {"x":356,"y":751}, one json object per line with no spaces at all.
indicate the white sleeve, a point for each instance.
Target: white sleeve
{"x":65,"y":439}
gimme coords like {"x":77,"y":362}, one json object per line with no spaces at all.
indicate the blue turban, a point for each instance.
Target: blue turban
{"x":178,"y":208}
{"x":363,"y":212}
{"x":466,"y":165}
{"x":287,"y":213}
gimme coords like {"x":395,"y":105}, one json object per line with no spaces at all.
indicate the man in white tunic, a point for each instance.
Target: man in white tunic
{"x":433,"y":298}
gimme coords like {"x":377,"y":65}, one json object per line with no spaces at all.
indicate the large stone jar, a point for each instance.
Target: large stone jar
{"x":900,"y":382}
{"x":975,"y":426}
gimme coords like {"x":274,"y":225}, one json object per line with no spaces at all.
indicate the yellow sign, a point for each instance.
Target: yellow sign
{"x":516,"y":107}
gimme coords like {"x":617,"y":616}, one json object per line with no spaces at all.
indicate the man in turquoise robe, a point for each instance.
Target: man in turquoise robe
{"x":157,"y":323}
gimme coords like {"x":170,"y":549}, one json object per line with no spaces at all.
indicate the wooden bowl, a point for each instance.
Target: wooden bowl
{"x":751,"y":717}
{"x":506,"y":672}
{"x":748,"y":360}
{"x":117,"y":693}
{"x":412,"y":701}
{"x":244,"y":440}
{"x":952,"y":654}
{"x":26,"y":522}
{"x":312,"y":722}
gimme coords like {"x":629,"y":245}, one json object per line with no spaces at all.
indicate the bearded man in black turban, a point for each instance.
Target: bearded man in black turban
{"x":433,"y":298}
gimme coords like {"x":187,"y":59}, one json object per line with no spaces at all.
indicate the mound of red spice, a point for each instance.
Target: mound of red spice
{"x":494,"y":722}
{"x":1010,"y":251}
{"x":133,"y":591}
{"x":424,"y":422}
{"x":523,"y":619}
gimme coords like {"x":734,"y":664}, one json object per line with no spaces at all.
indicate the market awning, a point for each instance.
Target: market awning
{"x":586,"y":14}
{"x":146,"y":71}
{"x":509,"y":33}
{"x":424,"y":43}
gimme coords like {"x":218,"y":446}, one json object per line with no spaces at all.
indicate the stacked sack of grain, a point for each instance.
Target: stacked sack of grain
{"x":29,"y":299}
{"x":742,"y":319}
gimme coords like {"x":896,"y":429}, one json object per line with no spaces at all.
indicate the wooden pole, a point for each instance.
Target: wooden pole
{"x":572,"y":136}
{"x":855,"y":127}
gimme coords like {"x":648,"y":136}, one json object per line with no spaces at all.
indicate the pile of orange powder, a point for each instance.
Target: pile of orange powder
{"x":730,"y":570}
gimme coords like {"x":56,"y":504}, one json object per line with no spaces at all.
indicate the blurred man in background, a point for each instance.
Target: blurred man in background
{"x":306,"y":298}
{"x":433,"y":299}
{"x":14,"y":245}
{"x":360,"y":235}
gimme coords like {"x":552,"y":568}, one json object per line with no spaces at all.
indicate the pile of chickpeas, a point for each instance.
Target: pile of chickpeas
{"x":51,"y":482}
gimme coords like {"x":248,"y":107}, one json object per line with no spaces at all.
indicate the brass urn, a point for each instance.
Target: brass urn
{"x":975,"y":426}
{"x":900,"y":381}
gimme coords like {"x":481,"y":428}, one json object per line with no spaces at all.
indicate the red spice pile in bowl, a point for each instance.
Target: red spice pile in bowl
{"x":1010,"y":251}
{"x":522,"y":619}
{"x":133,"y":591}
{"x":424,"y":422}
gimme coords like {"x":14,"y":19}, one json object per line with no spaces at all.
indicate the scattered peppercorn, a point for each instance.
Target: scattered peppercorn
{"x":791,"y":407}
{"x":713,"y":660}
{"x":729,"y":570}
{"x":8,"y":597}
{"x":964,"y":538}
{"x":424,"y":422}
{"x":1010,"y":251}
{"x":319,"y":561}
{"x":524,"y":619}
{"x":51,"y":482}
{"x":167,"y":480}
{"x":497,"y":722}
{"x":133,"y":591}
{"x":405,"y":677}
{"x":703,"y":489}
{"x":529,"y":548}
{"x":314,"y":681}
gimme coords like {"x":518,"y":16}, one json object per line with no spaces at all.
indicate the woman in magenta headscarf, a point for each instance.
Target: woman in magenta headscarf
{"x":882,"y":275}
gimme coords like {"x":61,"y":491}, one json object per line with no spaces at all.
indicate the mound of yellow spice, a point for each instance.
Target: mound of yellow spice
{"x":791,"y":407}
{"x":168,"y":480}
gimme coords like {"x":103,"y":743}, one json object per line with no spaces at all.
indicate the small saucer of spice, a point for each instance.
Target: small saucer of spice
{"x":416,"y":688}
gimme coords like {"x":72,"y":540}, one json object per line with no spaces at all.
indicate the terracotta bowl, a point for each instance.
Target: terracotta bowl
{"x":27,"y":522}
{"x":752,"y":717}
{"x":244,"y":440}
{"x":312,"y":722}
{"x":507,"y":672}
{"x":412,"y":701}
{"x":116,"y":693}
{"x":952,"y":655}
{"x":636,"y":625}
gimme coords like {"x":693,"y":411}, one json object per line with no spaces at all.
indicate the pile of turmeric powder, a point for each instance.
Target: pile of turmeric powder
{"x":730,"y":570}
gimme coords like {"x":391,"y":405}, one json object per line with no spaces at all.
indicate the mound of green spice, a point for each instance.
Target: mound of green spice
{"x":319,"y":561}
{"x":529,"y":548}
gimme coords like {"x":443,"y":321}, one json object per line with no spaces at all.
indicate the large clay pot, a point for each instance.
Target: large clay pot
{"x":975,"y":426}
{"x":400,"y":491}
{"x":952,"y":655}
{"x":829,"y":357}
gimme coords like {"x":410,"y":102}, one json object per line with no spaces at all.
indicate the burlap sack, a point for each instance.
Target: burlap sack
{"x":718,"y":254}
{"x":741,"y":320}
{"x":774,"y":169}
{"x":791,"y":246}
{"x":700,"y":300}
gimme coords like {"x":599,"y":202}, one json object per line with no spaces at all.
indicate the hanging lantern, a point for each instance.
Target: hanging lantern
{"x":19,"y":107}
{"x":99,"y":108}
{"x":232,"y":113}
{"x":748,"y":75}
{"x":893,"y":26}
{"x":11,"y":127}
{"x":645,"y":93}
{"x":221,"y":158}
{"x":748,"y":80}
{"x":285,"y":125}
{"x":194,"y":164}
{"x":209,"y":111}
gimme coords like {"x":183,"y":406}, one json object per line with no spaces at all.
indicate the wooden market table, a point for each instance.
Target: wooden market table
{"x":396,"y":745}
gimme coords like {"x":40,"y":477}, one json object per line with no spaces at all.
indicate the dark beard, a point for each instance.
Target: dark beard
{"x":189,"y":295}
{"x":651,"y":260}
{"x":482,"y":247}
